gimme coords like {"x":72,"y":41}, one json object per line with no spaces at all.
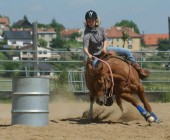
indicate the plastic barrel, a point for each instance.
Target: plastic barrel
{"x":30,"y":99}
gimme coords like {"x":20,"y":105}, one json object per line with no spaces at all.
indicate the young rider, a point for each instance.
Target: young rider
{"x":95,"y":42}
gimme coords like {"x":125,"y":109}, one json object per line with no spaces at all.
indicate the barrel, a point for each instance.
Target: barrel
{"x":30,"y":99}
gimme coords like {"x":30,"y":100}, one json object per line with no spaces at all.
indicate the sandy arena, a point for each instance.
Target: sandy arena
{"x":66,"y":123}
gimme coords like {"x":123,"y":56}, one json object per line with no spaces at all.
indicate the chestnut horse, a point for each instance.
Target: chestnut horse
{"x":114,"y":76}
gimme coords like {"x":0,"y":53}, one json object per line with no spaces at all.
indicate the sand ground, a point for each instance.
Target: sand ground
{"x":66,"y":123}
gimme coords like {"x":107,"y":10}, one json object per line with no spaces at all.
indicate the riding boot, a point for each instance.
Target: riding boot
{"x":142,"y":72}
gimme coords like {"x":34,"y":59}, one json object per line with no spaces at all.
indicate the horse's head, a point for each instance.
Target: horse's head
{"x":103,"y":85}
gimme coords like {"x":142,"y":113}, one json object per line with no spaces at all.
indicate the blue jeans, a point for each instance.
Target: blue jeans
{"x":122,"y":51}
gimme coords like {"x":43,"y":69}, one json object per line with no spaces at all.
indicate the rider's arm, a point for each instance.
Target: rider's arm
{"x":86,"y":39}
{"x":105,"y":43}
{"x":87,"y":52}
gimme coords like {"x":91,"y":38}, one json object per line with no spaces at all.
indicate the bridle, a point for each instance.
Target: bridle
{"x":112,"y":80}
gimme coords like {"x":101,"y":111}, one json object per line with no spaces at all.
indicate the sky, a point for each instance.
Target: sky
{"x":151,"y":16}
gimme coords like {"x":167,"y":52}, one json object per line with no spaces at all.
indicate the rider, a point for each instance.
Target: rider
{"x":95,"y":42}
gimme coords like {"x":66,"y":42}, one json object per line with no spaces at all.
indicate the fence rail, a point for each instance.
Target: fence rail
{"x":159,"y":81}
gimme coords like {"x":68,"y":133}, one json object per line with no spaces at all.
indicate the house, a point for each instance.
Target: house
{"x":46,"y":34}
{"x":114,"y":36}
{"x":66,"y":34}
{"x":17,"y":38}
{"x":4,"y":24}
{"x":151,"y":40}
{"x":23,"y":23}
{"x":26,"y":53}
{"x":44,"y":69}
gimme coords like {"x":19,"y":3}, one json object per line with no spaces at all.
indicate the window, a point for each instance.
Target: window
{"x":13,"y":41}
{"x":129,"y":46}
{"x":44,"y":52}
{"x":129,"y":40}
{"x":24,"y":53}
{"x":40,"y":52}
{"x":26,"y":42}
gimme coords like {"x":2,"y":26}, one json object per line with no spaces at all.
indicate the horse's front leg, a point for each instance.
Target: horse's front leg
{"x":90,"y":114}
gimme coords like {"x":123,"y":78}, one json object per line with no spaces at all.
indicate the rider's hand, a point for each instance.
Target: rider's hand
{"x":90,"y":56}
{"x":104,"y":50}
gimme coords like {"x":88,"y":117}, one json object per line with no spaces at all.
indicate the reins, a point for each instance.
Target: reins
{"x":111,"y":74}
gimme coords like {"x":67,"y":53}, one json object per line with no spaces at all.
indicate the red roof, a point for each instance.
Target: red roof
{"x":152,"y":39}
{"x":4,"y":20}
{"x":68,"y":32}
{"x":116,"y":32}
{"x":38,"y":29}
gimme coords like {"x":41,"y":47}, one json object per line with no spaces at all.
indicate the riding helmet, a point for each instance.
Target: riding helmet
{"x":91,"y":15}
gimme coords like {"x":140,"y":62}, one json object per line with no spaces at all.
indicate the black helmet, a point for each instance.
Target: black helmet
{"x":91,"y":15}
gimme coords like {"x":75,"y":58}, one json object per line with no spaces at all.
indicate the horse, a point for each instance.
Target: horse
{"x":114,"y":76}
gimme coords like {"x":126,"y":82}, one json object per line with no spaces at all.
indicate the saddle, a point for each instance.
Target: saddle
{"x":107,"y":56}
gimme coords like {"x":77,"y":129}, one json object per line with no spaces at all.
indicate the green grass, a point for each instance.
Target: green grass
{"x":74,"y":44}
{"x":6,"y":101}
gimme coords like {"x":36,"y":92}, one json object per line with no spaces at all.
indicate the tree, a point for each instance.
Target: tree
{"x":75,"y":35}
{"x":125,"y":36}
{"x":42,"y":42}
{"x":163,"y":45}
{"x":130,"y":24}
{"x":25,"y":18}
{"x":57,"y":42}
{"x":57,"y":26}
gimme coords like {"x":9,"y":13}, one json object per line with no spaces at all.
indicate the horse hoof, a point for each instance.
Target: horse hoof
{"x":151,"y":119}
{"x":158,"y":121}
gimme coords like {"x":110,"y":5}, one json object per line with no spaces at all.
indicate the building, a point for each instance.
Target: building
{"x":66,"y":34}
{"x":17,"y":39}
{"x":26,"y":53}
{"x":23,"y":23}
{"x":4,"y":24}
{"x":151,"y":40}
{"x":114,"y":36}
{"x":46,"y":34}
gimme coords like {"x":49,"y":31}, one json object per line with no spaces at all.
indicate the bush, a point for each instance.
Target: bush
{"x":166,"y":97}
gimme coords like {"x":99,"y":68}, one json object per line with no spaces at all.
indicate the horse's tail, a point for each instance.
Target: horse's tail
{"x":119,"y":102}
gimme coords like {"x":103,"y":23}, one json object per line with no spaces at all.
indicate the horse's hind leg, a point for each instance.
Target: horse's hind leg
{"x":144,"y":100}
{"x":127,"y":97}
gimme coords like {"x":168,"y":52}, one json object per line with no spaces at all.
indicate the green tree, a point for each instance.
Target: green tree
{"x":57,"y":42}
{"x":41,"y":25}
{"x":130,"y":24}
{"x":42,"y":42}
{"x":125,"y":36}
{"x":25,"y":18}
{"x":57,"y":26}
{"x":163,"y":45}
{"x":75,"y":35}
{"x":11,"y":66}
